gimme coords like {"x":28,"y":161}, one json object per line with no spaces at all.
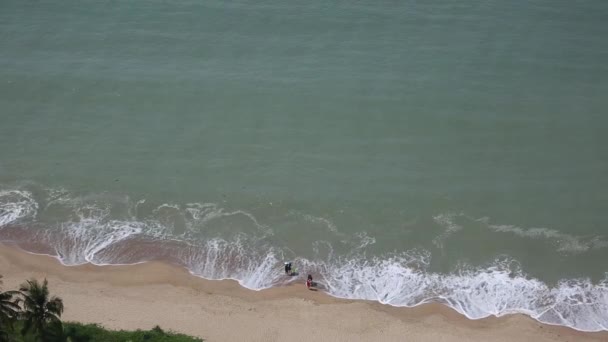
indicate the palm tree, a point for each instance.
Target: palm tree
{"x":41,"y":312}
{"x":9,"y":309}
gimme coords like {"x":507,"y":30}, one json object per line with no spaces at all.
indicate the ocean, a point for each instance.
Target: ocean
{"x":403,"y":152}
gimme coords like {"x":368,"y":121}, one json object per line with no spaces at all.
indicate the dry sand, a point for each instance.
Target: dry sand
{"x":144,"y":295}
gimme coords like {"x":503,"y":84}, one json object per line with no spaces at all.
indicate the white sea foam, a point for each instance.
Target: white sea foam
{"x":495,"y":290}
{"x":238,"y":259}
{"x":565,"y":242}
{"x":80,"y":241}
{"x":321,"y":220}
{"x":359,"y":241}
{"x":364,"y":240}
{"x":203,"y":213}
{"x":56,"y":195}
{"x":578,"y":303}
{"x":447,"y":222}
{"x":84,"y":240}
{"x":16,"y":205}
{"x":91,"y":230}
{"x":391,"y":280}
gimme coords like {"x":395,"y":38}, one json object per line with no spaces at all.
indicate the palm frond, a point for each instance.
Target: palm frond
{"x":41,"y":311}
{"x":55,"y":306}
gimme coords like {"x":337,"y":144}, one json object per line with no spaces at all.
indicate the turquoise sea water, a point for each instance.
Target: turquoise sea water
{"x":399,"y":151}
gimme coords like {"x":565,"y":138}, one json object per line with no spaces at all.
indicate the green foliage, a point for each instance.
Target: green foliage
{"x":32,"y":315}
{"x":9,"y":311}
{"x":77,"y":332}
{"x":9,"y":308}
{"x":41,"y":312}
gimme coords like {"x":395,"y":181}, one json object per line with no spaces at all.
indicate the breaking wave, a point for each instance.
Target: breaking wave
{"x":16,"y":205}
{"x":216,"y":242}
{"x":498,"y":289}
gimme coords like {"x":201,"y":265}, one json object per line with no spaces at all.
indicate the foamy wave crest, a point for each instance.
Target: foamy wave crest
{"x":238,"y":259}
{"x":92,"y":232}
{"x":105,"y":229}
{"x":16,"y":205}
{"x":497,"y":290}
{"x":83,"y":241}
{"x":579,"y":303}
{"x":396,"y":280}
{"x":214,"y":242}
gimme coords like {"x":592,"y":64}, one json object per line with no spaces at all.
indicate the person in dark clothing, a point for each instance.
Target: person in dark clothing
{"x":288,"y":268}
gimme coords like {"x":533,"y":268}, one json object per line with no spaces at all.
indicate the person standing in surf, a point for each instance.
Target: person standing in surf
{"x":288,"y":268}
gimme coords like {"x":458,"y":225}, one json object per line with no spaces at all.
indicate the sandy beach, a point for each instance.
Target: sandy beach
{"x":144,"y":295}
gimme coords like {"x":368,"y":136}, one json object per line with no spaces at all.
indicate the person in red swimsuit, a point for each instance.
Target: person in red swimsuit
{"x":309,"y":282}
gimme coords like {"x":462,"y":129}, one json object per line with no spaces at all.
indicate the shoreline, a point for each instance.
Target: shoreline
{"x":158,"y":293}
